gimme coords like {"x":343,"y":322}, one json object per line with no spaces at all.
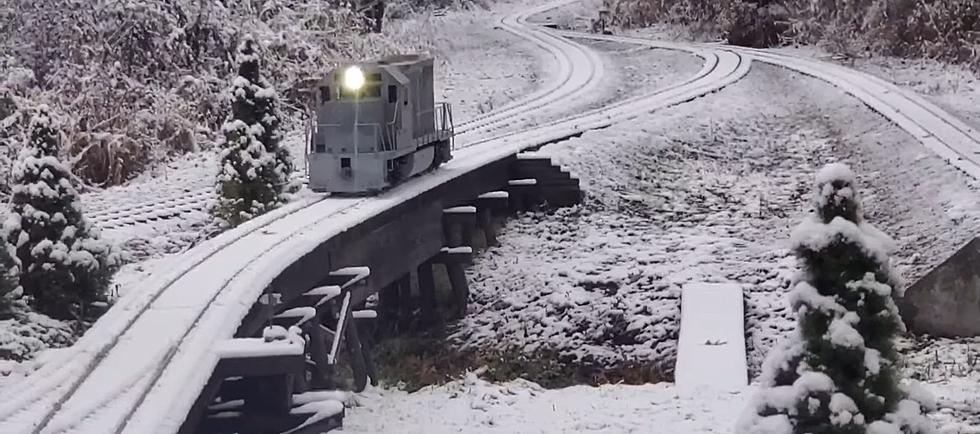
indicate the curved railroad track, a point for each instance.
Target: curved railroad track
{"x":130,"y":371}
{"x":579,"y":69}
{"x":934,"y":127}
{"x":75,"y":390}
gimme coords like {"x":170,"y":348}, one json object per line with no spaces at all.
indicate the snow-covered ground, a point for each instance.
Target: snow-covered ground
{"x":472,"y":405}
{"x":707,"y":191}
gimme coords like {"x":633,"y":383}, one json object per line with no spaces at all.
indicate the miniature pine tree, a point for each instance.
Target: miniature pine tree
{"x":270,"y":118}
{"x":255,"y":169}
{"x":838,"y":373}
{"x":63,"y":263}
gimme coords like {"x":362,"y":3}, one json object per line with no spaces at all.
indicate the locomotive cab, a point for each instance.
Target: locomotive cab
{"x":376,"y":124}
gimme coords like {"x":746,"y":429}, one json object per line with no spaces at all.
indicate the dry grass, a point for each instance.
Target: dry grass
{"x":134,"y":83}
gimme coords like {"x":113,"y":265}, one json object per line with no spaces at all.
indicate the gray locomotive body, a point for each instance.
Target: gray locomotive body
{"x":376,"y":124}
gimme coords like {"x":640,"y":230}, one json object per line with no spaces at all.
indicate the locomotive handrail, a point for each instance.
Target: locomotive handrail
{"x":390,"y":131}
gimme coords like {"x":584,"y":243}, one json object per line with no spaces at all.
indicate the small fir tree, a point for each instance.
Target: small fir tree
{"x":255,"y":169}
{"x":63,"y":263}
{"x":838,"y":372}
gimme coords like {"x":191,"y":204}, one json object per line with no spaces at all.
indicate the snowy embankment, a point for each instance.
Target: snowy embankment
{"x":708,"y":191}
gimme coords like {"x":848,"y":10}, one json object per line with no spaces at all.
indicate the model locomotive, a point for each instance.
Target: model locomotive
{"x":376,"y":124}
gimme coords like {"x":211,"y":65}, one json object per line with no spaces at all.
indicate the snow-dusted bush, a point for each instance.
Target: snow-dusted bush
{"x":139,"y":80}
{"x":838,"y":373}
{"x":254,"y":174}
{"x":64,"y":264}
{"x":948,"y":29}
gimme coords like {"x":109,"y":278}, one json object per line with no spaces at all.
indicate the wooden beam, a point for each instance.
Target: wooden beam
{"x":406,"y":306}
{"x":427,"y":294}
{"x":260,"y":366}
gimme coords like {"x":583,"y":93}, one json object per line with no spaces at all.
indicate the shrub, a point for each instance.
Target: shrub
{"x":945,"y":30}
{"x":64,"y":265}
{"x":838,"y":374}
{"x":255,"y":169}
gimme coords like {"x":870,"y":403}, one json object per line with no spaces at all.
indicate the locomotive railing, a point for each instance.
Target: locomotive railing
{"x":388,"y":132}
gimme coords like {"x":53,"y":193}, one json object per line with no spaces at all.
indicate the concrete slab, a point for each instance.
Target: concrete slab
{"x":711,"y":347}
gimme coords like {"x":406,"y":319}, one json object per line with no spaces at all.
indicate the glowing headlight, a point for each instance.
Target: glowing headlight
{"x":353,"y":78}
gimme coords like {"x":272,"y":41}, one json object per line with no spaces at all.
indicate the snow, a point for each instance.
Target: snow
{"x":321,"y":410}
{"x":842,"y":332}
{"x":494,"y":195}
{"x":356,"y":273}
{"x":463,"y":250}
{"x":530,"y":181}
{"x":258,"y":347}
{"x":364,"y":314}
{"x":642,"y":416}
{"x":472,"y":405}
{"x":835,"y":172}
{"x":305,"y":313}
{"x":326,"y":292}
{"x":460,"y":210}
{"x":711,"y":344}
{"x":321,"y":395}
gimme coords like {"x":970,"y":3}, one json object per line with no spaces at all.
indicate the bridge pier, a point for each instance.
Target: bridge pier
{"x":488,"y":206}
{"x":429,"y":314}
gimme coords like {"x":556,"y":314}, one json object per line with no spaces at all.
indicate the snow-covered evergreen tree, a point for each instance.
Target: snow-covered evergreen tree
{"x":838,"y":373}
{"x":63,"y":263}
{"x":255,"y":169}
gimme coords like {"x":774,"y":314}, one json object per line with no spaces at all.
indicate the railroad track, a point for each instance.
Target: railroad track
{"x":197,"y":301}
{"x":141,"y":366}
{"x":579,"y":69}
{"x":75,"y":391}
{"x":937,"y":129}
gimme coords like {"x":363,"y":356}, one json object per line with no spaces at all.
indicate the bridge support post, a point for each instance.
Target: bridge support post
{"x":388,"y":302}
{"x":523,"y":194}
{"x":427,"y":294}
{"x":405,"y":301}
{"x":457,"y":225}
{"x":488,"y":205}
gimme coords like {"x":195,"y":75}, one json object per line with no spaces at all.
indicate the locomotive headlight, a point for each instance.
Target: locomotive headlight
{"x":353,"y":78}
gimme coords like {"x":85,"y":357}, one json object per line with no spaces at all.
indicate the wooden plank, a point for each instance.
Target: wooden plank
{"x":711,"y":347}
{"x":258,"y":366}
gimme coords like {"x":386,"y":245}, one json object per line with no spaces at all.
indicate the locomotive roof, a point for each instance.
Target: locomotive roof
{"x":403,"y":59}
